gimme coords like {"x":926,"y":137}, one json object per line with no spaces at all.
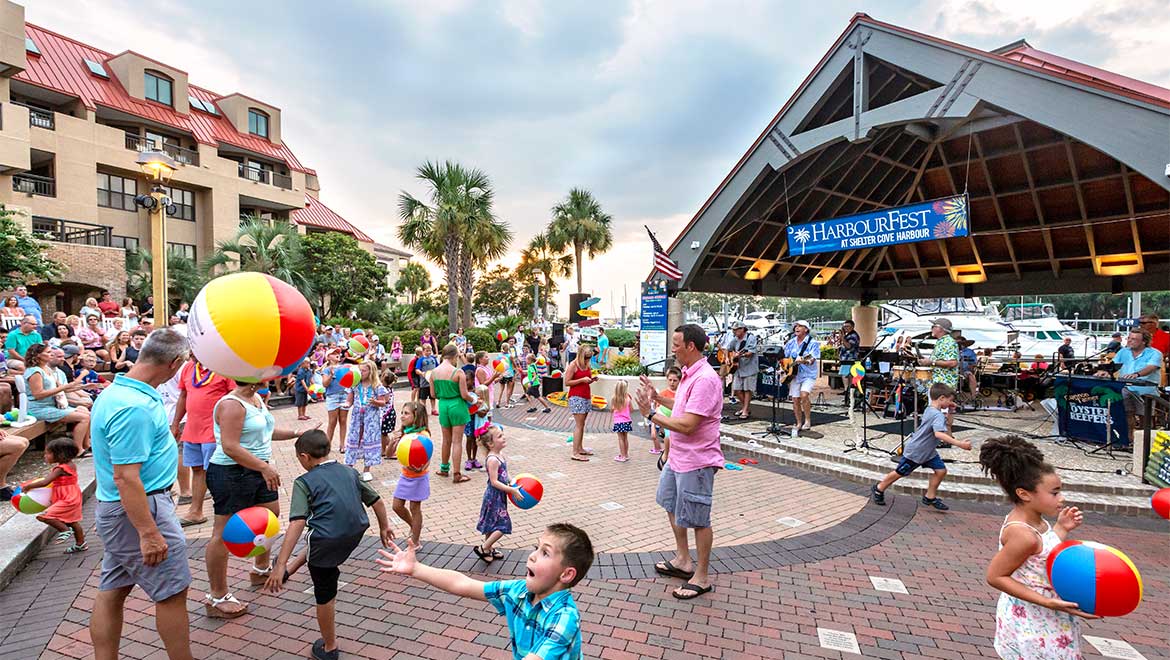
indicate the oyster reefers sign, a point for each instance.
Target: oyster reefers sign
{"x":926,"y":221}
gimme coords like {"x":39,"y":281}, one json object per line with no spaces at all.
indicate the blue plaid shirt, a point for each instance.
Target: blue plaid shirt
{"x":550,"y":629}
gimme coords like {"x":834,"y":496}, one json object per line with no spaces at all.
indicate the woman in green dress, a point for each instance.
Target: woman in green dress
{"x":449,"y":386}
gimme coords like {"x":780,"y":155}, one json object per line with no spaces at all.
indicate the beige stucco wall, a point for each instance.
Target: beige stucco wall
{"x":129,"y":68}
{"x":235,"y":108}
{"x":14,"y":134}
{"x":12,"y":53}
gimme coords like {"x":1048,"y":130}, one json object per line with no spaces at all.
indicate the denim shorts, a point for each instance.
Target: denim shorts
{"x":906,"y":466}
{"x":687,"y":495}
{"x":234,"y":488}
{"x":335,"y":401}
{"x":197,"y":454}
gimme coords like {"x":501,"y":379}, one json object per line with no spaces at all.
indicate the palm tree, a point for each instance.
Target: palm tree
{"x":485,"y":240}
{"x":264,"y":248}
{"x":439,"y":229}
{"x":412,"y":279}
{"x":580,"y":222}
{"x":184,"y":278}
{"x":538,"y":257}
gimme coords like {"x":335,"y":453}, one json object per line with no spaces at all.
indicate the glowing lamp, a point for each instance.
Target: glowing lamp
{"x":157,"y":166}
{"x":1118,"y":264}
{"x":968,"y":274}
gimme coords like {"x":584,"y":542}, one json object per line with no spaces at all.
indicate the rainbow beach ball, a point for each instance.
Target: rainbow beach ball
{"x":350,"y":375}
{"x":414,"y":451}
{"x":532,"y":489}
{"x":32,"y":501}
{"x":501,"y":336}
{"x":250,"y":327}
{"x":358,"y":344}
{"x":1098,"y":578}
{"x":251,"y":532}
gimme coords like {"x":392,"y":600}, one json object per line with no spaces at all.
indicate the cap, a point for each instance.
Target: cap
{"x":70,"y":350}
{"x":804,"y":323}
{"x":945,"y":324}
{"x":738,"y":324}
{"x":373,"y":337}
{"x":1116,"y":335}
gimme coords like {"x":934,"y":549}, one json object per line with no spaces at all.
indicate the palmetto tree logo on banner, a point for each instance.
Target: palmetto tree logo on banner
{"x":800,"y":236}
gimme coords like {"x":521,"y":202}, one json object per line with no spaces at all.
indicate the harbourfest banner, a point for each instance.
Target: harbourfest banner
{"x":936,"y":219}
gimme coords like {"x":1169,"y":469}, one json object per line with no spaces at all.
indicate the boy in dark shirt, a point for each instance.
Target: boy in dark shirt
{"x":303,"y":379}
{"x":328,"y":498}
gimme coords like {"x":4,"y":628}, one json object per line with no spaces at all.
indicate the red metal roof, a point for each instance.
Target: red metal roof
{"x":61,"y":67}
{"x":316,"y":214}
{"x":1025,"y":54}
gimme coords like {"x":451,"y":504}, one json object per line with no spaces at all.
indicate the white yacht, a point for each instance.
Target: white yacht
{"x":1041,"y":332}
{"x":912,"y":318}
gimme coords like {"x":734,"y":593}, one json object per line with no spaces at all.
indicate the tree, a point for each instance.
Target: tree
{"x":485,"y":240}
{"x":437,"y":229}
{"x":342,"y":274}
{"x":497,"y":292}
{"x":540,"y":258}
{"x":264,"y":248}
{"x":579,"y":221}
{"x":412,"y":279}
{"x":184,"y":278}
{"x":22,"y":257}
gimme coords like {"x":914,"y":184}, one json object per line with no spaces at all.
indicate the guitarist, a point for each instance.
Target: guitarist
{"x":746,"y":365}
{"x":804,"y":353}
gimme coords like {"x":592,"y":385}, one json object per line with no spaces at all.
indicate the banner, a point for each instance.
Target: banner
{"x":1092,"y":409}
{"x":926,"y":221}
{"x":652,"y":317}
{"x":1158,"y":469}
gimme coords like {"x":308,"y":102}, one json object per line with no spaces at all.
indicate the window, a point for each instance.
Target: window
{"x":257,"y":123}
{"x":31,"y":46}
{"x":159,"y":141}
{"x":158,"y":88}
{"x":96,"y":69}
{"x":184,"y":200}
{"x":182,"y":250}
{"x":116,"y":192}
{"x":124,"y":242}
{"x":205,"y":106}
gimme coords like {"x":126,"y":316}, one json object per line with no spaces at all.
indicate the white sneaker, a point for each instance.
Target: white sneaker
{"x":367,"y":476}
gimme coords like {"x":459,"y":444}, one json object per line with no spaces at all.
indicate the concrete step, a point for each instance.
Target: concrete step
{"x":988,"y":491}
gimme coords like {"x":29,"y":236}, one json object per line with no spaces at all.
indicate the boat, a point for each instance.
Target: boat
{"x":912,"y":318}
{"x":1042,"y":332}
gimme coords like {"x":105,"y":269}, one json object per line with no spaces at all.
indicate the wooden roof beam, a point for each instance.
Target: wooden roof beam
{"x":1046,"y":234}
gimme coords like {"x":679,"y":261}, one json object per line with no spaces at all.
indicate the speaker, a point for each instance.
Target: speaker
{"x":575,"y":300}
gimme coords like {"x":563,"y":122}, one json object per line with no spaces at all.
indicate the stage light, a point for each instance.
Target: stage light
{"x":968,"y":274}
{"x":1118,"y":264}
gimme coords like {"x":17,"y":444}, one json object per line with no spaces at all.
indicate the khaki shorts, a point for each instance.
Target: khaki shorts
{"x":687,"y":495}
{"x":122,"y":561}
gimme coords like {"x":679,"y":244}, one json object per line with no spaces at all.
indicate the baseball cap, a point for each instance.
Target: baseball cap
{"x":738,"y":324}
{"x":945,"y":324}
{"x":804,"y":323}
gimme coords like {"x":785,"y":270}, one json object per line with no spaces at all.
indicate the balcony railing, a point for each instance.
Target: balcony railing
{"x":34,"y":185}
{"x":39,"y":118}
{"x":71,"y":231}
{"x":265,"y":176}
{"x":135,"y":142}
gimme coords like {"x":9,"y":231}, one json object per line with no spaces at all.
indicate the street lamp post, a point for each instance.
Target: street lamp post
{"x":158,"y":167}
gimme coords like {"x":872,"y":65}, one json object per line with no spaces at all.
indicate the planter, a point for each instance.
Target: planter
{"x":605,"y":385}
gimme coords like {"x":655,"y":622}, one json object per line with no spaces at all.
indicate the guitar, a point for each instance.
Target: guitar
{"x":789,"y":367}
{"x":728,"y":361}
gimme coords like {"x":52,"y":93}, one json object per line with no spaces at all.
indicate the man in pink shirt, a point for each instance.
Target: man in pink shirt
{"x":688,"y":478}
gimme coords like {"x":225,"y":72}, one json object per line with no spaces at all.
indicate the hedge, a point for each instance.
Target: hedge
{"x":481,"y":339}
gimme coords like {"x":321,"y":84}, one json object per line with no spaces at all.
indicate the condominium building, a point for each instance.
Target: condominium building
{"x":73,"y":119}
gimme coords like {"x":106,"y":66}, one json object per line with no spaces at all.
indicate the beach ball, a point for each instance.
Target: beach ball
{"x":1098,"y":578}
{"x":557,"y":373}
{"x":350,"y":376}
{"x":250,"y":327}
{"x":358,"y":331}
{"x":316,"y":391}
{"x":533,"y":491}
{"x":541,"y":361}
{"x":32,"y":501}
{"x":358,"y":344}
{"x":251,"y":532}
{"x":499,"y":365}
{"x":501,"y":336}
{"x":414,"y":451}
{"x":1160,"y":501}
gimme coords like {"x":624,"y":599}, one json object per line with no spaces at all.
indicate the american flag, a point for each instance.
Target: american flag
{"x":662,"y":261}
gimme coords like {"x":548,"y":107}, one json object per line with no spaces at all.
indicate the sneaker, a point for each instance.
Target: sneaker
{"x":530,"y":410}
{"x":878,"y":496}
{"x":621,"y":459}
{"x":477,"y":465}
{"x":936,"y":503}
{"x":655,"y":451}
{"x":319,"y":652}
{"x":367,"y":476}
{"x":546,"y":411}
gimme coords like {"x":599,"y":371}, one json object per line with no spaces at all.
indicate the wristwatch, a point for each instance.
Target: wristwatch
{"x":650,"y":417}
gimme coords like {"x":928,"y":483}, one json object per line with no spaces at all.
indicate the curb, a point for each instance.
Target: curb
{"x":23,"y":536}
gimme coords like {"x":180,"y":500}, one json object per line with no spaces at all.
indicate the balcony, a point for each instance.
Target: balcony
{"x":39,"y":118}
{"x":268,"y":177}
{"x":34,"y":185}
{"x":71,"y":231}
{"x":135,"y":142}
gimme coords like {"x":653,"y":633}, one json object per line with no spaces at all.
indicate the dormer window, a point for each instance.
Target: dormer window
{"x":257,"y":122}
{"x":158,"y":88}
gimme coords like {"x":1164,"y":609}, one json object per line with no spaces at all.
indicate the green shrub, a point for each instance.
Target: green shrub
{"x":828,"y":352}
{"x":625,"y":365}
{"x":621,"y":338}
{"x":482,"y":339}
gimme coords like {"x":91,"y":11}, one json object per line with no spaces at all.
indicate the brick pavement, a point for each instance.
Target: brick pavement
{"x":756,"y":611}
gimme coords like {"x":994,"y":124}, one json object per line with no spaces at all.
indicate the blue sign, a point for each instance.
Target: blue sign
{"x":1092,"y":409}
{"x":653,"y":313}
{"x":927,"y":221}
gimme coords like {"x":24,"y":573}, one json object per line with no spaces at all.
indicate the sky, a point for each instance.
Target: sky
{"x":647,"y":104}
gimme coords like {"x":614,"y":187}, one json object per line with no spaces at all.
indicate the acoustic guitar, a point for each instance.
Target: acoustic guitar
{"x":790,"y":365}
{"x":728,"y":361}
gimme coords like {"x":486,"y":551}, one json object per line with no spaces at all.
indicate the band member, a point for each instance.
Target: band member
{"x":848,"y":353}
{"x":945,"y":361}
{"x":743,"y":383}
{"x":805,"y":352}
{"x":1066,"y":354}
{"x":1137,"y":361}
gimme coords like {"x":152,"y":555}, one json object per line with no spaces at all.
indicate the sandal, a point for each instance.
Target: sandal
{"x":77,"y":547}
{"x":459,"y":478}
{"x":486,"y":557}
{"x":690,"y":591}
{"x":187,"y":522}
{"x":580,"y":457}
{"x":497,"y":554}
{"x":668,"y":569}
{"x":61,"y":537}
{"x":213,"y":607}
{"x":258,"y":577}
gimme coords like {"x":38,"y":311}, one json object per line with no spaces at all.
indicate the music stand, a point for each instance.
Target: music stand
{"x":866,"y":409}
{"x":775,"y":428}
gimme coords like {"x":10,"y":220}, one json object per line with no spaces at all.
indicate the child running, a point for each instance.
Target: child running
{"x":389,"y":416}
{"x":1031,"y":621}
{"x":64,"y":512}
{"x":622,"y":424}
{"x":532,"y":387}
{"x":328,"y":499}
{"x":542,"y":616}
{"x":366,"y":400}
{"x":920,"y":449}
{"x":414,"y":486}
{"x":494,"y":520}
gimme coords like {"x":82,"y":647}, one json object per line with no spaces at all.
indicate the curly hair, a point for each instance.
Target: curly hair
{"x":1014,"y":463}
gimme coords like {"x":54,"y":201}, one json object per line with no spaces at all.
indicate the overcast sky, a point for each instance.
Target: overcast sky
{"x":646,"y":104}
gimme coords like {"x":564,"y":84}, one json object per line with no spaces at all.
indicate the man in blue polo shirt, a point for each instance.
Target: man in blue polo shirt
{"x":1141,"y":363}
{"x":136,"y":461}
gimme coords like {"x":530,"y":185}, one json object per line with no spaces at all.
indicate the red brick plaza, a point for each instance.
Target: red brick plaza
{"x":795,"y":555}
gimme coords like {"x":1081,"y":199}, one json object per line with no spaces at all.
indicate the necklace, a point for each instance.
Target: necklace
{"x":200,"y":375}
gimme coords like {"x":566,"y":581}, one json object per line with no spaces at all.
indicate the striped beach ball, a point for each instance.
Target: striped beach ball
{"x":358,"y":344}
{"x":531,"y":487}
{"x":501,"y":336}
{"x":414,"y":451}
{"x":350,"y":375}
{"x":32,"y":501}
{"x":251,"y":532}
{"x":250,"y":327}
{"x":1098,"y":578}
{"x":1160,"y":502}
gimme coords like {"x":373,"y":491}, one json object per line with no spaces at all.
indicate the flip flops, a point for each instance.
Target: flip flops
{"x":732,"y":466}
{"x":691,"y":591}
{"x":670,"y":570}
{"x":748,"y":461}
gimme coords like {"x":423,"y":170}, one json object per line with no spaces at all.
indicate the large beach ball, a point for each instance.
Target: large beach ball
{"x":499,"y":365}
{"x":316,"y":391}
{"x":250,"y":327}
{"x":32,"y":501}
{"x":557,"y":373}
{"x":350,"y":376}
{"x":532,"y":488}
{"x":251,"y":532}
{"x":358,"y":344}
{"x":541,"y":361}
{"x":414,"y":451}
{"x":501,"y":336}
{"x":1098,"y":578}
{"x":1160,"y":501}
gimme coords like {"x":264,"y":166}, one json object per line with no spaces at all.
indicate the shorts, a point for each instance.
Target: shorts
{"x":579,"y":405}
{"x":623,"y":427}
{"x":1134,"y":405}
{"x":300,"y":398}
{"x":197,"y":454}
{"x":799,"y":386}
{"x":424,"y":392}
{"x":335,"y":401}
{"x":532,"y":391}
{"x":743,"y":383}
{"x":325,"y":580}
{"x":122,"y":557}
{"x":506,"y":380}
{"x":687,"y":495}
{"x":906,"y":466}
{"x":331,"y":552}
{"x":389,"y":420}
{"x":234,"y":488}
